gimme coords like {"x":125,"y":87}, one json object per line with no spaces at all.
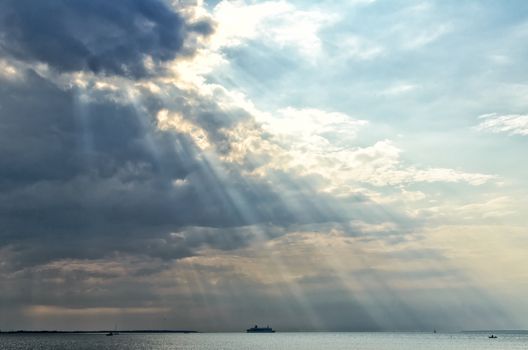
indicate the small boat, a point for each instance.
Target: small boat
{"x":258,"y":329}
{"x":112,"y":333}
{"x":492,"y":336}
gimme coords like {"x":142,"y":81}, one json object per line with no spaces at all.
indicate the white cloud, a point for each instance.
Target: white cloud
{"x":304,"y":141}
{"x":355,"y":47}
{"x":399,"y":89}
{"x":277,"y":21}
{"x":313,"y":125}
{"x":171,"y":120}
{"x":364,"y":227}
{"x":492,"y":208}
{"x":9,"y":71}
{"x":427,"y":36}
{"x":512,"y":124}
{"x":312,"y":142}
{"x":422,"y":25}
{"x":380,"y":165}
{"x":237,"y":22}
{"x":317,"y":142}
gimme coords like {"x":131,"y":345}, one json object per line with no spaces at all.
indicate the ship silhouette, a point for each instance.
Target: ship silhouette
{"x":257,"y":329}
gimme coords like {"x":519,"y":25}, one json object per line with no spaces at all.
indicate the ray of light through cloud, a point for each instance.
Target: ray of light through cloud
{"x":312,"y":165}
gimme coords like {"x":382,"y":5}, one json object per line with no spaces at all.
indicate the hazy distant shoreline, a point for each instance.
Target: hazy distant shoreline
{"x":97,"y":332}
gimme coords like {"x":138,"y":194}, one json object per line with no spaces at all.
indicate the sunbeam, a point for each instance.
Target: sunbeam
{"x":311,"y":166}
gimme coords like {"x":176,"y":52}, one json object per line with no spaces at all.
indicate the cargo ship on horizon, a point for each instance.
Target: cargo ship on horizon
{"x":257,"y":329}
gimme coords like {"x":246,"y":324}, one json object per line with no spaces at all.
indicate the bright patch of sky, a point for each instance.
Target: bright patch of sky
{"x":417,"y":71}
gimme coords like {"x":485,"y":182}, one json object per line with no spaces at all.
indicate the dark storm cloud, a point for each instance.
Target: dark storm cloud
{"x":83,"y":176}
{"x":111,"y":37}
{"x":93,"y":179}
{"x":85,"y":173}
{"x":99,"y":177}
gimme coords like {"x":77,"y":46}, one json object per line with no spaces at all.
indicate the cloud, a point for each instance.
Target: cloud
{"x":512,"y":124}
{"x":427,"y":36}
{"x":399,"y":89}
{"x":326,"y":151}
{"x":98,"y":172}
{"x":353,"y":47}
{"x":104,"y":172}
{"x":8,"y":71}
{"x":278,"y":21}
{"x":486,"y":209}
{"x":175,"y":196}
{"x":123,"y":38}
{"x":313,"y":142}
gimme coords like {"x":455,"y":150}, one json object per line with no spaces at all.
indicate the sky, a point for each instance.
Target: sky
{"x":355,"y":165}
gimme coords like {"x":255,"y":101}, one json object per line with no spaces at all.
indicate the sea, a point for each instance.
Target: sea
{"x":277,"y":341}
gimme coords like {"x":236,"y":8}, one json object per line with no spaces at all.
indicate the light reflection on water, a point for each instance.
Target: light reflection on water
{"x":277,"y":341}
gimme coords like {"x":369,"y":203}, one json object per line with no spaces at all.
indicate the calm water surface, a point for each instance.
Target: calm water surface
{"x":235,"y":341}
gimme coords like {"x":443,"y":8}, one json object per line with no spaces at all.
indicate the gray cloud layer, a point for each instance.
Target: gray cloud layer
{"x":87,"y":175}
{"x":96,"y":174}
{"x":99,"y":177}
{"x":112,"y":37}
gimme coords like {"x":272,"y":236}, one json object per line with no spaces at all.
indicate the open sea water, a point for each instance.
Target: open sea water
{"x":277,"y":341}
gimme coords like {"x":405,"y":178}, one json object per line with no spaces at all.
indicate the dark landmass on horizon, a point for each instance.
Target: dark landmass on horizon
{"x":98,"y":331}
